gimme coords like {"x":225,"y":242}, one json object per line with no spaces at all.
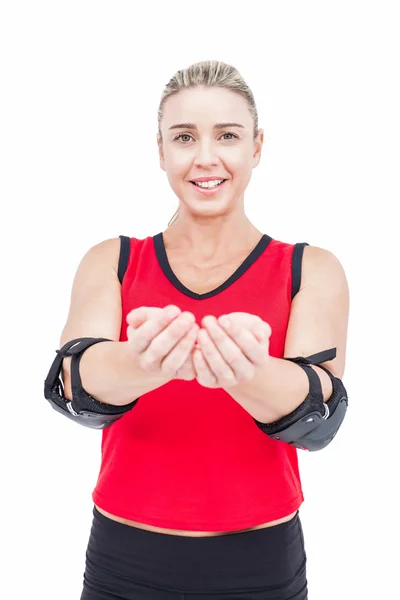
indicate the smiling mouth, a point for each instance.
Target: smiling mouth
{"x":203,"y":185}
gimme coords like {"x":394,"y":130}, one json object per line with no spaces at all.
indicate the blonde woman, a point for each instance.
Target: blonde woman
{"x":195,"y":351}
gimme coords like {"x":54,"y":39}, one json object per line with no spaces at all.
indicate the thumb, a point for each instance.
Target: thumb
{"x":140,"y":315}
{"x":262,"y":331}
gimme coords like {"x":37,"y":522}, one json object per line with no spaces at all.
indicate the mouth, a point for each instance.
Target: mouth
{"x":208,"y":189}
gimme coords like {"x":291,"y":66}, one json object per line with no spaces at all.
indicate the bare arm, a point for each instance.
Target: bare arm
{"x":318,"y":321}
{"x":110,"y":372}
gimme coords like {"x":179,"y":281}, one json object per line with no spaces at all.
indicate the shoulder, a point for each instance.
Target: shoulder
{"x":322,"y":268}
{"x":105,"y":253}
{"x":106,"y":248}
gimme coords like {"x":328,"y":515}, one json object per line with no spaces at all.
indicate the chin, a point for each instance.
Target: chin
{"x":212,"y":209}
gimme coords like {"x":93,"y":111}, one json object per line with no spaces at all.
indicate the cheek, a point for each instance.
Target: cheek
{"x":237,"y":155}
{"x":239,"y":164}
{"x":177,"y":163}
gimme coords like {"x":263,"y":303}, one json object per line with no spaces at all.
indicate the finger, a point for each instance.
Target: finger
{"x":203,"y":373}
{"x":216,"y":363}
{"x":164,"y":342}
{"x":253,"y":341}
{"x":141,"y":337}
{"x":261,"y":329}
{"x":140,"y":315}
{"x":260,"y":336}
{"x":254,"y":323}
{"x":178,"y":356}
{"x":187,"y":371}
{"x":230,"y":351}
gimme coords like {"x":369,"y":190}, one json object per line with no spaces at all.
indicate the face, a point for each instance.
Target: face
{"x":207,"y":133}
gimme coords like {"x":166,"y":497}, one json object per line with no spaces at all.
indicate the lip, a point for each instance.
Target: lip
{"x":208,"y":191}
{"x":207,"y":178}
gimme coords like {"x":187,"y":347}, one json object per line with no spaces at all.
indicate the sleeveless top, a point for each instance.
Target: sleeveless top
{"x":190,"y":457}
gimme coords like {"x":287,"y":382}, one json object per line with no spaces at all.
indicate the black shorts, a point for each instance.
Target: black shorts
{"x":127,"y":563}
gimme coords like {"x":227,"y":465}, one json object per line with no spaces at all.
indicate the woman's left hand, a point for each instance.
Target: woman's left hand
{"x":230,"y":349}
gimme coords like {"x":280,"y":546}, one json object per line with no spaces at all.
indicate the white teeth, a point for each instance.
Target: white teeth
{"x":208,"y":184}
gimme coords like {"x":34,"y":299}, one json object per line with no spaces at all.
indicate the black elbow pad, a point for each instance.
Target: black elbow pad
{"x":313,"y":424}
{"x":82,"y":409}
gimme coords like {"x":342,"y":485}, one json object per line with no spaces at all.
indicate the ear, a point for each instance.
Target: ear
{"x":258,"y":144}
{"x":160,"y":151}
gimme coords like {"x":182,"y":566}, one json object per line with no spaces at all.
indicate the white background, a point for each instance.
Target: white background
{"x":80,"y":88}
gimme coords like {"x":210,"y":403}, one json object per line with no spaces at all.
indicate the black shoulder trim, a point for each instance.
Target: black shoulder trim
{"x":297,"y":260}
{"x":123,"y":256}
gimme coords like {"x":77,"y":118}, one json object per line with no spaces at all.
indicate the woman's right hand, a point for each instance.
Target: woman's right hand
{"x":163,"y":339}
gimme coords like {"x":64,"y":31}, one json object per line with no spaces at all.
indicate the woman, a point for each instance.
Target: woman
{"x":195,"y":498}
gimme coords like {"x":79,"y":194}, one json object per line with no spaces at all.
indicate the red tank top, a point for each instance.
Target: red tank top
{"x":190,"y":457}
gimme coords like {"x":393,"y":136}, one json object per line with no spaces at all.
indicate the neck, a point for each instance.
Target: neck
{"x":211,"y":242}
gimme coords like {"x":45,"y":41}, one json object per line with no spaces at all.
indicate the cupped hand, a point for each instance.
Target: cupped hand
{"x":229,"y":349}
{"x":161,"y":338}
{"x":222,"y":352}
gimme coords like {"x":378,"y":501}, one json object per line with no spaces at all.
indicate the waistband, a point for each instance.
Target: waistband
{"x":270,"y":558}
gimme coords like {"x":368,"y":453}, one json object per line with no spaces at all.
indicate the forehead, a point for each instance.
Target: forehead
{"x":206,"y":106}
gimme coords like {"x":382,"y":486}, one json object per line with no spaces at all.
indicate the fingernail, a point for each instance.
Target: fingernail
{"x":226,"y":322}
{"x":172,"y":311}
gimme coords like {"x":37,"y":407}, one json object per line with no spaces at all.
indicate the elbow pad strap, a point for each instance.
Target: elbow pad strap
{"x":313,"y":424}
{"x":83,"y":408}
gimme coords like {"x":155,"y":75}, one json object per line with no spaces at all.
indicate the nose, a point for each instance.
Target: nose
{"x":206,"y":154}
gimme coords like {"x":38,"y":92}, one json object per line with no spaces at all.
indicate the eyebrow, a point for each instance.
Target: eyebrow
{"x":216,"y":126}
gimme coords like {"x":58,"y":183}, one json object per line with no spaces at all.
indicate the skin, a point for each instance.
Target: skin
{"x":201,"y":249}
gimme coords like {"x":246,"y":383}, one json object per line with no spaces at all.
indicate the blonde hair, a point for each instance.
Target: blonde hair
{"x":211,"y":73}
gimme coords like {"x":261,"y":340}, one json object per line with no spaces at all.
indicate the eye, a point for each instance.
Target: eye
{"x":187,"y":135}
{"x":229,"y":133}
{"x":182,"y":135}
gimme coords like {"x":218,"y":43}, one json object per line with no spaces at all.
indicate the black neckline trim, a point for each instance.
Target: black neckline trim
{"x":162,"y":258}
